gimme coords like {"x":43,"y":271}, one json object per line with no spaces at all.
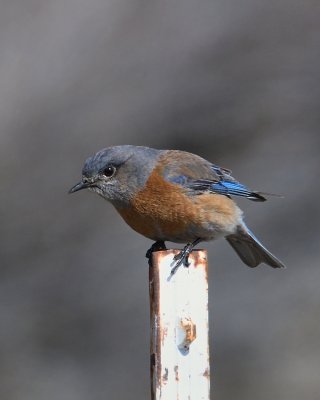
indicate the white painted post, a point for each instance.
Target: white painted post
{"x":179,"y":328}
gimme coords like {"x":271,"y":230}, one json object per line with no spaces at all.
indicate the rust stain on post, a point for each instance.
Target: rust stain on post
{"x":190,"y":333}
{"x":155,"y":347}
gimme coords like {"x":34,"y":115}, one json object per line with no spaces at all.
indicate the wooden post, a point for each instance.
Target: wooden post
{"x":179,"y":328}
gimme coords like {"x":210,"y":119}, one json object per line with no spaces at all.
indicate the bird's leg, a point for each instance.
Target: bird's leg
{"x":157,"y":246}
{"x":182,"y":257}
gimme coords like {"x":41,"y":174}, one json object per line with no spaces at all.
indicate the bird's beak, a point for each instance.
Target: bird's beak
{"x":79,"y":186}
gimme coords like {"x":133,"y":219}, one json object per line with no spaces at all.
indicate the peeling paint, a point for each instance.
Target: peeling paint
{"x":176,"y":373}
{"x":164,"y":333}
{"x":165,"y":376}
{"x":206,"y":373}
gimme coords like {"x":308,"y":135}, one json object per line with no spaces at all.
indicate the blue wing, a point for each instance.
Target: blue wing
{"x":221,"y":183}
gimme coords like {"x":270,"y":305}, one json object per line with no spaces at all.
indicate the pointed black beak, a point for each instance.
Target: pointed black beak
{"x":79,"y":186}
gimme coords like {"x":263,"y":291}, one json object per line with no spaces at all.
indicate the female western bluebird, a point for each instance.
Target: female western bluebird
{"x":176,"y":196}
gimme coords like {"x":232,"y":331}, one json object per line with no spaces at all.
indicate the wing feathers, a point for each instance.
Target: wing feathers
{"x":200,"y":176}
{"x":227,"y":188}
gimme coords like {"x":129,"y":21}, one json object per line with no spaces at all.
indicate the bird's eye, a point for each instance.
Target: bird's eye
{"x":109,"y":171}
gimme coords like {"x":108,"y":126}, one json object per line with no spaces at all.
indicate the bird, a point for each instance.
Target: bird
{"x":176,"y":196}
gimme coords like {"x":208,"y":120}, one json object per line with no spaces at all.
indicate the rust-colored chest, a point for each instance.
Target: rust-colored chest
{"x":160,"y":211}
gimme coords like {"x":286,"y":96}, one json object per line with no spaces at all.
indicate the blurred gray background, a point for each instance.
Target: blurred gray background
{"x":237,"y":83}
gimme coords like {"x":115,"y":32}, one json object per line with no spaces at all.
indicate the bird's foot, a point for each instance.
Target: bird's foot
{"x":183,"y":257}
{"x":157,"y":246}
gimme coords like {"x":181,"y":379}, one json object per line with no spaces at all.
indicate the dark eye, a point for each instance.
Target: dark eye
{"x":109,"y":171}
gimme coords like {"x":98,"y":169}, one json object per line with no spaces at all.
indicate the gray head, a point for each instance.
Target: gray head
{"x":118,"y":173}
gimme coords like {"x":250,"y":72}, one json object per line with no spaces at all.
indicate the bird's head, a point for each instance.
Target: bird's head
{"x":117,"y":173}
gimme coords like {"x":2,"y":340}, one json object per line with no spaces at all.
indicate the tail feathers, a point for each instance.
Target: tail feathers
{"x":251,"y":251}
{"x":261,"y":196}
{"x":256,"y":196}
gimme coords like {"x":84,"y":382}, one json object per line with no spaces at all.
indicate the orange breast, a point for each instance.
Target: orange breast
{"x":160,"y":210}
{"x":163,"y":211}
